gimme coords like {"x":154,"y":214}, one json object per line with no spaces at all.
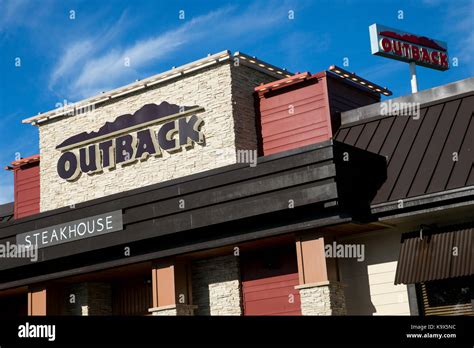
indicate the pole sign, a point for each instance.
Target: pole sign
{"x":72,"y":231}
{"x":406,"y":47}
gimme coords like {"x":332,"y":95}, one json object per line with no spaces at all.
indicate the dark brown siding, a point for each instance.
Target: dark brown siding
{"x":345,"y":96}
{"x":133,"y":297}
{"x":420,"y":153}
{"x":433,"y":257}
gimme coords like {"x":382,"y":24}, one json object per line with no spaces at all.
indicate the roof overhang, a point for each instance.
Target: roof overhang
{"x":174,"y":73}
{"x":224,"y":206}
{"x":22,"y":162}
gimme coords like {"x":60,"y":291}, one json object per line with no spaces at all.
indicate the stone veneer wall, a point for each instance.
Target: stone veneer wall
{"x":225,"y":92}
{"x":216,"y":286}
{"x":91,"y":298}
{"x":323,"y":299}
{"x":175,"y":310}
{"x":244,"y":104}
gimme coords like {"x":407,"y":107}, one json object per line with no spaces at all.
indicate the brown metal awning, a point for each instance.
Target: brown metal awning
{"x":438,"y":255}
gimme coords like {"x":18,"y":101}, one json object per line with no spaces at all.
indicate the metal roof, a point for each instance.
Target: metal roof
{"x":6,"y":212}
{"x":432,"y":95}
{"x":175,"y":72}
{"x":431,"y":154}
{"x":432,"y":258}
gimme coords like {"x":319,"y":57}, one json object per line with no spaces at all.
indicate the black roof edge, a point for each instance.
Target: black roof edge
{"x":6,"y":209}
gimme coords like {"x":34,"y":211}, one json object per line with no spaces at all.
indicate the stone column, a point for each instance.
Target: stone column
{"x":171,"y":286}
{"x":325,"y":298}
{"x":216,"y":286}
{"x":321,"y":292}
{"x":90,"y":298}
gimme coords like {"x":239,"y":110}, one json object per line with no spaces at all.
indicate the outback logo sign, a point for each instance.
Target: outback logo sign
{"x":399,"y":45}
{"x":95,"y":151}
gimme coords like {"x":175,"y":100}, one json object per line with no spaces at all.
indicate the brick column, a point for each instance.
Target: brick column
{"x":90,"y":298}
{"x":171,"y":285}
{"x":37,"y":301}
{"x":321,"y":292}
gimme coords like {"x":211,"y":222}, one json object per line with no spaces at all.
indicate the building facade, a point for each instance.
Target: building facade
{"x":229,"y":186}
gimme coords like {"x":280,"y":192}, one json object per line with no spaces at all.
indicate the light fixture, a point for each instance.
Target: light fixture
{"x":359,"y":80}
{"x":262,"y":65}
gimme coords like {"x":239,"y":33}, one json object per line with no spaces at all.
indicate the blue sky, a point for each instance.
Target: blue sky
{"x":71,"y":59}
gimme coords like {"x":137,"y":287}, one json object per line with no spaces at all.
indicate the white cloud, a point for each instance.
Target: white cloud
{"x":105,"y":71}
{"x":84,"y":71}
{"x":109,"y":69}
{"x":76,"y":54}
{"x":73,"y":56}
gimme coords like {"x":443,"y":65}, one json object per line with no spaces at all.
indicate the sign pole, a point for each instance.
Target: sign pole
{"x":414,"y":84}
{"x":406,"y":47}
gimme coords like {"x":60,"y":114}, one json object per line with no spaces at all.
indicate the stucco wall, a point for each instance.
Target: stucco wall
{"x":225,"y":92}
